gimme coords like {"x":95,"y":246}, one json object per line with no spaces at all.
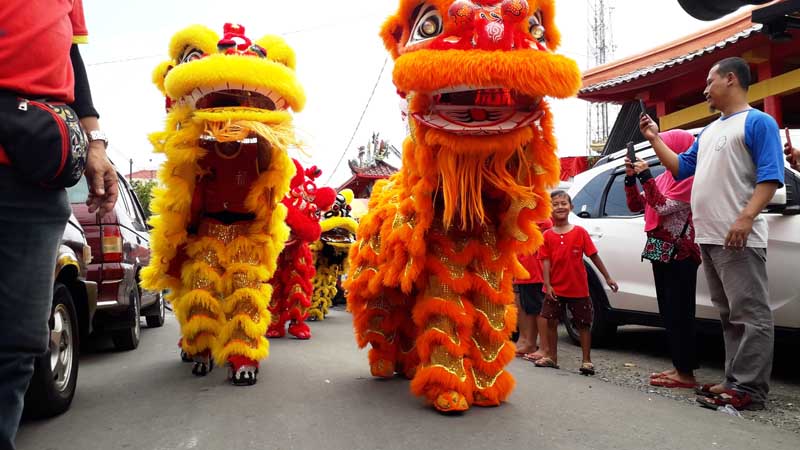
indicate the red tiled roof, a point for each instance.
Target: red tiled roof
{"x":144,"y":175}
{"x":379,"y":169}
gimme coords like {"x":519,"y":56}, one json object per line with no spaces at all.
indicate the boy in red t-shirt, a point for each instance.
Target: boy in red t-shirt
{"x":530,"y":298}
{"x":565,"y":280}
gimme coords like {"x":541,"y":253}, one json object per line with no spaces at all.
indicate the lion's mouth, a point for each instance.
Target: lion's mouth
{"x":480,"y":111}
{"x":226,"y":96}
{"x":338,"y":235}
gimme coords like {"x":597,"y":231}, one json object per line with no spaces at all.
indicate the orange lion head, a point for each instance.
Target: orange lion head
{"x":478,"y":67}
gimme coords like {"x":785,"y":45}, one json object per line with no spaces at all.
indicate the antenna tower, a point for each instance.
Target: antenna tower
{"x":601,"y":47}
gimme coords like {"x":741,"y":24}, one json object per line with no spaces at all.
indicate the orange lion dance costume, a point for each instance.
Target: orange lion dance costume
{"x":430,"y":283}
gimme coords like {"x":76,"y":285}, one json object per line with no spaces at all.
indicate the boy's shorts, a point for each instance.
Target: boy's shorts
{"x":530,"y":297}
{"x":581,"y":309}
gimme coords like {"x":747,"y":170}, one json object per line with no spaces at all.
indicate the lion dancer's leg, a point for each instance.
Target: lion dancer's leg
{"x":445,"y":327}
{"x":300,"y":291}
{"x":494,"y":321}
{"x":279,"y":305}
{"x":407,"y":334}
{"x":197,"y":304}
{"x":377,"y":324}
{"x":378,"y":312}
{"x":442,"y":344}
{"x":241,"y":342}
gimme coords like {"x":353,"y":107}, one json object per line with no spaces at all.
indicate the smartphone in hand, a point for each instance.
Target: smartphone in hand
{"x":788,"y":137}
{"x":642,"y":108}
{"x":631,"y":153}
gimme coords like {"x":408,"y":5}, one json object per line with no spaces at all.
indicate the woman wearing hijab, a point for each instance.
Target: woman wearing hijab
{"x":673,"y":253}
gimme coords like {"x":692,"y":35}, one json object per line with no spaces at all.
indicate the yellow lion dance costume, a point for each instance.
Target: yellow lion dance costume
{"x":430,"y":281}
{"x":330,"y":253}
{"x":219,"y":224}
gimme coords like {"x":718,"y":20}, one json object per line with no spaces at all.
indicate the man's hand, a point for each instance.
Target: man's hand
{"x":739,"y":232}
{"x":549,"y":293}
{"x":640,"y":166}
{"x":612,"y":284}
{"x":648,"y":127}
{"x":102,"y":179}
{"x":792,"y":155}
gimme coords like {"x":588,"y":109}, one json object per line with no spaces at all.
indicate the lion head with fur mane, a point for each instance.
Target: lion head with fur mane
{"x":476,"y":74}
{"x":222,"y":92}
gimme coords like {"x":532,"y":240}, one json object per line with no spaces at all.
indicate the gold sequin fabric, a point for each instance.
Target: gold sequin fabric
{"x":484,"y":381}
{"x":440,"y":357}
{"x":221,"y":232}
{"x":446,"y":326}
{"x":488,"y":349}
{"x":493,"y":312}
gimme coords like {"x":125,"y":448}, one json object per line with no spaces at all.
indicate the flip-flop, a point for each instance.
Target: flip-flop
{"x":532,"y":357}
{"x":663,"y":374}
{"x":587,"y":368}
{"x":667,"y":382}
{"x":546,"y":362}
{"x":705,"y":390}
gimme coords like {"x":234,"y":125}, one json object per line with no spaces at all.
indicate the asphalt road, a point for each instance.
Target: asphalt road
{"x":318,"y":394}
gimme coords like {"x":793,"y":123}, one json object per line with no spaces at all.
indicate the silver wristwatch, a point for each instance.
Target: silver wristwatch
{"x":97,"y":135}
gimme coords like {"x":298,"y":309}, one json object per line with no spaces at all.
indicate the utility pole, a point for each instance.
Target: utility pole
{"x":130,"y":170}
{"x":600,"y":46}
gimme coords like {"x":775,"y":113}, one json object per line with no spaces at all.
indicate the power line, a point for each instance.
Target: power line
{"x":123,"y":60}
{"x":363,"y":112}
{"x":312,"y":28}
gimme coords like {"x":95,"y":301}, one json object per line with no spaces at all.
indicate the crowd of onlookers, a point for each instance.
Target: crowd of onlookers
{"x":705,"y":208}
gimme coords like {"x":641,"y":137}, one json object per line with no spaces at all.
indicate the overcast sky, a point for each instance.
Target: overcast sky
{"x":339,"y":55}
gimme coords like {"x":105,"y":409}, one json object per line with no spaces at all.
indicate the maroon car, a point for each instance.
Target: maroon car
{"x":120,"y":244}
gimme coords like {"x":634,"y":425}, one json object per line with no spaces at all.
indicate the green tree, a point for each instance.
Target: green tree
{"x":144,"y":191}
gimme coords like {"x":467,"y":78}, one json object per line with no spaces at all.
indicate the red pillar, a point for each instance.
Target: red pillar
{"x":772,"y":104}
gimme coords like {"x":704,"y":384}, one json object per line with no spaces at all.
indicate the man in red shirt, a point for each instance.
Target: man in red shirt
{"x":565,"y":280}
{"x":38,"y":61}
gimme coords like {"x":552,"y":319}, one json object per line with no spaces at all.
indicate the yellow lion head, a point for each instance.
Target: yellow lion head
{"x":219,"y":79}
{"x":479,"y":67}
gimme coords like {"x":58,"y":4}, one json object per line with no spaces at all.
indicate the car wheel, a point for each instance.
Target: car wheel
{"x":56,"y":372}
{"x":128,"y":339}
{"x":603,"y":327}
{"x":157,"y":320}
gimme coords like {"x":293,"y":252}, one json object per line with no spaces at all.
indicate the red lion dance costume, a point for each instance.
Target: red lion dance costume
{"x":292,"y":286}
{"x":430,"y":283}
{"x":219,"y":224}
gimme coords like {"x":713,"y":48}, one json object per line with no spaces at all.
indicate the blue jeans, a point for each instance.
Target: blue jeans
{"x":32,"y":222}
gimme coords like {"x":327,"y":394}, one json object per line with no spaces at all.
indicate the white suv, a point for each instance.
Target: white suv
{"x":600,"y":207}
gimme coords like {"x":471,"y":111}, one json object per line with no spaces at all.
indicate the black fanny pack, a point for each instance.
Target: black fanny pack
{"x":43,"y":141}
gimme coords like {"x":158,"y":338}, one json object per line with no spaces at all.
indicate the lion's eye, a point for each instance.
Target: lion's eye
{"x":536,"y":28}
{"x":427,"y":25}
{"x":191,"y":54}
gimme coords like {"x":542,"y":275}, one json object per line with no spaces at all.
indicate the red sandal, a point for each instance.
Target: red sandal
{"x":667,"y":382}
{"x":739,"y":400}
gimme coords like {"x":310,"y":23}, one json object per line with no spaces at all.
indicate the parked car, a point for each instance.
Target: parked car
{"x":74,"y":301}
{"x":120,"y":242}
{"x":600,"y":207}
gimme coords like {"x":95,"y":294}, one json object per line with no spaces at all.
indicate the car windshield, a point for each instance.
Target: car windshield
{"x":78,"y":193}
